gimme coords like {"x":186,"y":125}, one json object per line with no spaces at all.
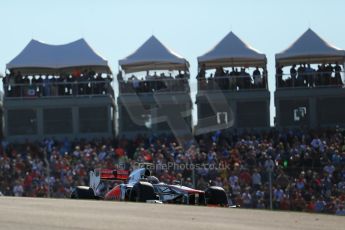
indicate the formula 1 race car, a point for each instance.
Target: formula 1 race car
{"x":141,"y":186}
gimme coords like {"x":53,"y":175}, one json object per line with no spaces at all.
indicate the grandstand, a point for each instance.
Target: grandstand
{"x":66,"y":90}
{"x":230,"y":97}
{"x":60,"y":91}
{"x":313,"y":95}
{"x":154,"y":95}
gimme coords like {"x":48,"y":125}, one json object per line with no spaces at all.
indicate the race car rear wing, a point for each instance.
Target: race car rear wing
{"x":113,"y":174}
{"x":106,"y":174}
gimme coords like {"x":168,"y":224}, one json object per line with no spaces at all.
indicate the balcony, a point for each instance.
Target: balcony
{"x":232,"y":83}
{"x":160,"y":85}
{"x":54,"y":89}
{"x":314,"y":79}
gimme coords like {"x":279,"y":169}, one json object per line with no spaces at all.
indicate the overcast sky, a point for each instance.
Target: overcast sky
{"x":115,"y":28}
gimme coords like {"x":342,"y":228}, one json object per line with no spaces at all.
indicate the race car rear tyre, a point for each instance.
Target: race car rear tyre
{"x":83,"y":192}
{"x":141,"y":192}
{"x":216,"y":196}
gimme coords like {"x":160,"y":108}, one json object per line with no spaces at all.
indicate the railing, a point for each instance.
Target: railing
{"x":154,"y":85}
{"x":232,"y":83}
{"x":58,"y":89}
{"x":311,"y":80}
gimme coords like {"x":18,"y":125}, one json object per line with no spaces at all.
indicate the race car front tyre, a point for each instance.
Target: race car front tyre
{"x":83,"y":192}
{"x":216,"y":196}
{"x":141,"y":192}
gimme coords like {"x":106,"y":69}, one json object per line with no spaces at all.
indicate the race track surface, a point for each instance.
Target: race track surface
{"x":35,"y":213}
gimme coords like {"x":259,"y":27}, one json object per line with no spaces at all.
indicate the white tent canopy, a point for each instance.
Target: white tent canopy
{"x":310,"y":48}
{"x":232,"y":51}
{"x":153,"y":55}
{"x":41,"y":58}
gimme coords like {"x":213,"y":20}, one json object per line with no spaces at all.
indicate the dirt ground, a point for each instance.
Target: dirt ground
{"x":40,"y":213}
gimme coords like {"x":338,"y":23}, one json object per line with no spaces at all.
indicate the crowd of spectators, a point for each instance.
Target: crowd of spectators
{"x":232,"y":80}
{"x":86,"y":82}
{"x":154,"y":83}
{"x":306,"y":76}
{"x":308,"y":167}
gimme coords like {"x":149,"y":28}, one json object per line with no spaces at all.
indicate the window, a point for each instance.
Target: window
{"x":22,"y":122}
{"x":57,"y":121}
{"x":93,"y":119}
